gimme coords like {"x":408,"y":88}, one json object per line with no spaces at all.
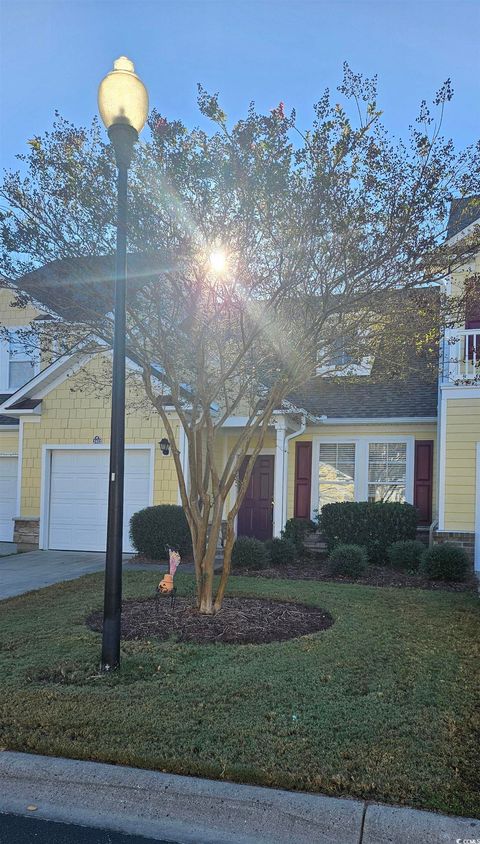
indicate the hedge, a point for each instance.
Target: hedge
{"x":406,"y":554}
{"x":373,"y":525}
{"x":348,"y":561}
{"x":296,"y":530}
{"x":282,"y":551}
{"x":154,"y":529}
{"x":249,"y":553}
{"x":445,"y":562}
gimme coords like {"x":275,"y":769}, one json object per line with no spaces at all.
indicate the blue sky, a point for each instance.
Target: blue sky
{"x":54,"y":53}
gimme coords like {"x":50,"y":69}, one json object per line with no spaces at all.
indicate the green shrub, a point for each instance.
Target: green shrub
{"x":406,"y":554}
{"x":348,"y":560}
{"x":374,"y":525}
{"x":282,"y":551}
{"x":445,"y":562}
{"x":250,"y":553}
{"x":296,"y":530}
{"x":155,"y":529}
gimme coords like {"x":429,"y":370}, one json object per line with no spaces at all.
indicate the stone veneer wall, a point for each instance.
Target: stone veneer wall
{"x":26,"y":533}
{"x":466,"y":539}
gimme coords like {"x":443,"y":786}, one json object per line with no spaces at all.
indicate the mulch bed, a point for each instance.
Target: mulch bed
{"x":374,"y":576}
{"x":241,"y":621}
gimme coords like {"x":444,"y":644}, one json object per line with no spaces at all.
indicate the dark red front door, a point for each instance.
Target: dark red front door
{"x":255,"y":517}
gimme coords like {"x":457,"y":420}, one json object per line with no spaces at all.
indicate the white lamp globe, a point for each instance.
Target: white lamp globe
{"x":122,"y":96}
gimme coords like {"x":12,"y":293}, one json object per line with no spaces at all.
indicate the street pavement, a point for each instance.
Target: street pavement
{"x":15,"y":829}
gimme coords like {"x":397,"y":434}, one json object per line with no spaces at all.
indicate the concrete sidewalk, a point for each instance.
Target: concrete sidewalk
{"x":188,"y":810}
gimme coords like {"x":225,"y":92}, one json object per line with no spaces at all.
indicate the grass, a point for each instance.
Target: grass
{"x":380,"y":706}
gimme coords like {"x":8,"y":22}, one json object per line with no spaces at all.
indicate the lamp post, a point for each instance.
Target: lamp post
{"x":123,"y":107}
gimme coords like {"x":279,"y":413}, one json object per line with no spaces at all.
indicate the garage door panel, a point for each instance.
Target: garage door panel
{"x":76,"y":486}
{"x":8,"y":496}
{"x":79,"y":497}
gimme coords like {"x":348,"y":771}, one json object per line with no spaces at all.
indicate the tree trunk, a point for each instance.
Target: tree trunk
{"x":227,"y":564}
{"x":204,"y":554}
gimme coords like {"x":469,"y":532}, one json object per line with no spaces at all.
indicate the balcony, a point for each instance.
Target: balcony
{"x":461,"y":356}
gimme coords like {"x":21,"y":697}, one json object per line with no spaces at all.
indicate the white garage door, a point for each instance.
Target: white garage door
{"x":79,"y":497}
{"x":8,"y":496}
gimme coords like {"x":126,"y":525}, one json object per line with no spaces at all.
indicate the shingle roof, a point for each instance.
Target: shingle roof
{"x":463,"y":212}
{"x":71,"y":286}
{"x":364,"y":399}
{"x":6,"y":420}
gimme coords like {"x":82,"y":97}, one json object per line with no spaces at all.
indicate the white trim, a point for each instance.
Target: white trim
{"x":72,"y":370}
{"x":442,"y":459}
{"x":183,"y":448}
{"x":5,"y":359}
{"x":279,"y":477}
{"x":8,"y":428}
{"x":361,"y":443}
{"x":461,"y":392}
{"x":47,"y":450}
{"x":476,"y":563}
{"x":36,"y":381}
{"x":381,"y":420}
{"x":466,"y":232}
{"x":19,"y":469}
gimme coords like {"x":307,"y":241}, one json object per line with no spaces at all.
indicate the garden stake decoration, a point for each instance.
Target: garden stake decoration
{"x":166,"y":585}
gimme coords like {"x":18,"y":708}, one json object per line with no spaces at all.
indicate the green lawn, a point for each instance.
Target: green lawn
{"x":381,"y":706}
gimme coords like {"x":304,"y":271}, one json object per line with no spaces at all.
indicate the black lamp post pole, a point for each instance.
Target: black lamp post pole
{"x":123,"y":137}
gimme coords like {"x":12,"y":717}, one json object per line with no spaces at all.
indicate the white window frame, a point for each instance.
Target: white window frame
{"x":5,"y":362}
{"x":361,"y":464}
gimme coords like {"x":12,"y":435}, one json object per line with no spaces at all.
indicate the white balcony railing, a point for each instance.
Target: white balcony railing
{"x":462,"y":355}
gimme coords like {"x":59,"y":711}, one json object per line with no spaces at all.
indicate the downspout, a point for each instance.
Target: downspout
{"x":291,"y":436}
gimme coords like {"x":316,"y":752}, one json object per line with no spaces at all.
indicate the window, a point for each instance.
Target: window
{"x":340,"y":356}
{"x":387,"y":471}
{"x":336,"y":473}
{"x":21,"y":362}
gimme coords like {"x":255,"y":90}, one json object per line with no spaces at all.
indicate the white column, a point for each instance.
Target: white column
{"x":279,"y":476}
{"x":183,"y":448}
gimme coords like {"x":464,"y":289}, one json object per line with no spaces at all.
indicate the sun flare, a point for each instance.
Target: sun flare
{"x":218,"y":260}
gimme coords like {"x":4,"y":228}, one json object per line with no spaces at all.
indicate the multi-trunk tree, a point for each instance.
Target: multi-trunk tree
{"x":263,"y":245}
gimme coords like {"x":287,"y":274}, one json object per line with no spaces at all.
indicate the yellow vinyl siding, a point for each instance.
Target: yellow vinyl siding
{"x":8,"y":442}
{"x":462,"y":434}
{"x":11,"y":317}
{"x":342,"y":432}
{"x":459,"y":276}
{"x":74,"y":418}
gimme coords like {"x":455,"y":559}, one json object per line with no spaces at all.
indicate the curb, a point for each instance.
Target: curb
{"x":189,"y":810}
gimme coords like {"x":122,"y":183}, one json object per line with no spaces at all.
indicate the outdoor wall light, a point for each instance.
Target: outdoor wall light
{"x":164,"y":446}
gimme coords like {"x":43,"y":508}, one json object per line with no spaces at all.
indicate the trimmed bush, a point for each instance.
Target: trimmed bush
{"x":406,"y":555}
{"x":250,"y":553}
{"x":348,"y":560}
{"x":374,"y":525}
{"x":445,"y":562}
{"x":282,"y":552}
{"x":154,"y":529}
{"x":296,"y":530}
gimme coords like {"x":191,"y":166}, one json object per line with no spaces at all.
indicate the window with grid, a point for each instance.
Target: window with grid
{"x":336,"y":474}
{"x":387,"y":471}
{"x":21,"y":362}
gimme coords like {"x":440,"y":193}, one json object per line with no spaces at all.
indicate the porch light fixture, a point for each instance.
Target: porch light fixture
{"x":123,"y":107}
{"x":164,"y":446}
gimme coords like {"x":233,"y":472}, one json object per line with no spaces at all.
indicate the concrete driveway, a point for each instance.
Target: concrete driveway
{"x":23,"y":572}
